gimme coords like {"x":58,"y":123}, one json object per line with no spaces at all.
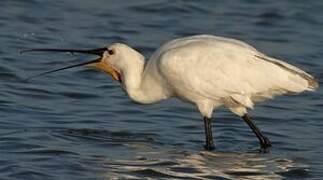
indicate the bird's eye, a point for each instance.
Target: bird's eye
{"x":110,"y":51}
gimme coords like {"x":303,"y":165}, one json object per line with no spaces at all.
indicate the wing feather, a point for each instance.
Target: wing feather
{"x":220,"y":69}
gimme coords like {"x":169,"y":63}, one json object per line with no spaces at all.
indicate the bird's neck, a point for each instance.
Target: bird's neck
{"x":141,"y":85}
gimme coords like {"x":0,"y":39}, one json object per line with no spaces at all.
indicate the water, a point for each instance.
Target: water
{"x":78,"y":124}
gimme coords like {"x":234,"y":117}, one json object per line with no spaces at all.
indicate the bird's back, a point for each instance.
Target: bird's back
{"x":225,"y":70}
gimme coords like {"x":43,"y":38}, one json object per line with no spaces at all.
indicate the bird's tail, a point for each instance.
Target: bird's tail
{"x":312,"y":84}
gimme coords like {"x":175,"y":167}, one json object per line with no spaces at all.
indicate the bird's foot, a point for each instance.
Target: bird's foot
{"x":265,"y":144}
{"x":209,"y":147}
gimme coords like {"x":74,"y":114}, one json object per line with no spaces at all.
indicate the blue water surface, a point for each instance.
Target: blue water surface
{"x":79,"y":124}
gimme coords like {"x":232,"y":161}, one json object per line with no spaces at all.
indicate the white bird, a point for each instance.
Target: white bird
{"x":205,"y":70}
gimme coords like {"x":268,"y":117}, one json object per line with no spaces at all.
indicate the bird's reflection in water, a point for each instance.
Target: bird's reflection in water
{"x":207,"y":165}
{"x":141,"y":156}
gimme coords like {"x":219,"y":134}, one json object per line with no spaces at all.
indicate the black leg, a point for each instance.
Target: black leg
{"x":208,"y":134}
{"x":264,"y":141}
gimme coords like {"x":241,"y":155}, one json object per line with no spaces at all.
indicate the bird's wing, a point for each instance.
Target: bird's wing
{"x":220,"y":70}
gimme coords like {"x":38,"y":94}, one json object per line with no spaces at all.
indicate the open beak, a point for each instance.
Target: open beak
{"x":96,"y":63}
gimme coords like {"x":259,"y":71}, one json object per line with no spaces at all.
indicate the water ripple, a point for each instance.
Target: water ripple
{"x":79,"y":124}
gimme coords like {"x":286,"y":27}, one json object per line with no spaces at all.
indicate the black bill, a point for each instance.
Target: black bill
{"x":66,"y":67}
{"x":98,"y":51}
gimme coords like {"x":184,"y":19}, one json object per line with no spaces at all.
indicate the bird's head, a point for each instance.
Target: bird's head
{"x":115,"y":59}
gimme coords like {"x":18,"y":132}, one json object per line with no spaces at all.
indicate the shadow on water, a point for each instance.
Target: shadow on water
{"x":121,"y":136}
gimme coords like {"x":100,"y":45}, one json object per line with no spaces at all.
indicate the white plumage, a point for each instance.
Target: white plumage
{"x":205,"y":70}
{"x":210,"y":71}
